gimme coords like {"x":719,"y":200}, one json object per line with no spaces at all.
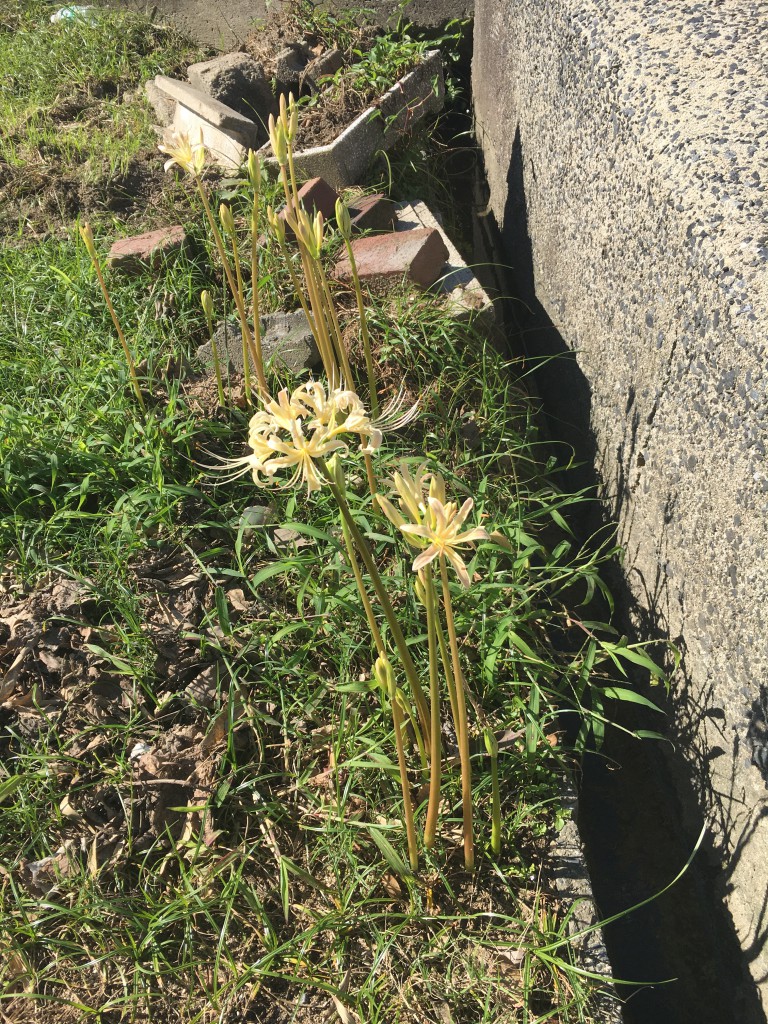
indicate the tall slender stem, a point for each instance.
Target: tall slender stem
{"x":462,"y":724}
{"x":236,"y":295}
{"x":329,"y":304}
{"x":435,"y":745}
{"x":397,"y":721}
{"x":364,"y":550}
{"x":88,"y":239}
{"x":364,"y":331}
{"x":255,"y":291}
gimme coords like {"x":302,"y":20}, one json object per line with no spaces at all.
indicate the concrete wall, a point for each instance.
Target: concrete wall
{"x":626,"y":146}
{"x":224,"y":24}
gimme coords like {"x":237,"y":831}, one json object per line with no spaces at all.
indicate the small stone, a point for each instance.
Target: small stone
{"x":285,"y":337}
{"x":131,"y":255}
{"x":163,"y":105}
{"x":418,"y":255}
{"x":321,"y":67}
{"x":373,"y":213}
{"x":238,"y":81}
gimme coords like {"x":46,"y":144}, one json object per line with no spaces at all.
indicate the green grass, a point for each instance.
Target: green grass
{"x":267,"y":881}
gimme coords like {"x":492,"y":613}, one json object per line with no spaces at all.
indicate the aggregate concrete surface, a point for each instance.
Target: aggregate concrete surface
{"x":626,"y":146}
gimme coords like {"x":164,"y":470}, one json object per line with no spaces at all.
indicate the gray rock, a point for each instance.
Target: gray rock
{"x":285,"y":338}
{"x":289,"y":67}
{"x":238,"y":81}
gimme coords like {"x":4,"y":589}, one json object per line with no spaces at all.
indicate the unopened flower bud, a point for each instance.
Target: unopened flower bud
{"x":384,"y":675}
{"x":276,"y":224}
{"x":278,"y":140}
{"x":87,"y":236}
{"x":207,"y":303}
{"x":293,"y":118}
{"x":254,"y":169}
{"x":227,"y":220}
{"x":343,"y":220}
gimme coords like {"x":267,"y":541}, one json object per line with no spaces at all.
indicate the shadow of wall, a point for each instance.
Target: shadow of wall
{"x":642,"y":805}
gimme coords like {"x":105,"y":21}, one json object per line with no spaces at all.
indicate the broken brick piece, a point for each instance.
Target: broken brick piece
{"x":317,"y":196}
{"x":372,"y":213}
{"x":418,"y":255}
{"x":131,"y":255}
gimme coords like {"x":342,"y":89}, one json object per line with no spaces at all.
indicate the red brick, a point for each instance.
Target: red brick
{"x":316,"y":196}
{"x":130,"y":255}
{"x":419,"y":255}
{"x":373,"y":213}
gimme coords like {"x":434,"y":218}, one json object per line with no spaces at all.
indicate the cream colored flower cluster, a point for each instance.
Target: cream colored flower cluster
{"x":295,"y":432}
{"x":435,"y":523}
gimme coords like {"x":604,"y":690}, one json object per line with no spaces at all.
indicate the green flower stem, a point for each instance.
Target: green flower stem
{"x":246,"y":355}
{"x":448,"y":670}
{"x":236,"y":295}
{"x":435,"y":745}
{"x":406,"y":709}
{"x":381,"y":594}
{"x":355,"y":566}
{"x":397,"y":721}
{"x":462,"y":725}
{"x":300,"y":292}
{"x":331,"y":307}
{"x":255,"y":291}
{"x":317,"y":299}
{"x":492,"y":746}
{"x":377,"y":638}
{"x":216,"y":360}
{"x":118,"y":328}
{"x":374,"y":398}
{"x":371,"y":474}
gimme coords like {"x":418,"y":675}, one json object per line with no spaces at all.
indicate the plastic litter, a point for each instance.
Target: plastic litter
{"x":87,"y":13}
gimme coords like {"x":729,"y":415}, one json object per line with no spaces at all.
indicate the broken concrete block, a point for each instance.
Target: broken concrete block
{"x":289,"y":68}
{"x":227,"y":134}
{"x":163,"y":105}
{"x":238,"y":81}
{"x":345,"y":160}
{"x":213,"y":111}
{"x":417,"y":255}
{"x":131,"y":255}
{"x":285,"y":338}
{"x":328,"y":63}
{"x":372,"y":213}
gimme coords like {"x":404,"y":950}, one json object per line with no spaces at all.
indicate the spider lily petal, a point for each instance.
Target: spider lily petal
{"x":186,"y":151}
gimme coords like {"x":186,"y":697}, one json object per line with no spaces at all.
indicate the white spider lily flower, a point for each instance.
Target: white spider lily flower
{"x":435,"y":523}
{"x":185,"y":149}
{"x":298,"y":432}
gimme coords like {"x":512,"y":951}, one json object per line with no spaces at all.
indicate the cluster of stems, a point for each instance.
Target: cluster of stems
{"x":438,"y":528}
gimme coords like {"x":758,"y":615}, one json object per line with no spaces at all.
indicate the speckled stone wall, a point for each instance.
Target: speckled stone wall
{"x":626,"y":147}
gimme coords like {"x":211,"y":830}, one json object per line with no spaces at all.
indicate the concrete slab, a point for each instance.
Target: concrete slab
{"x":224,"y":24}
{"x":217,"y":114}
{"x":344,"y":161}
{"x":463,"y":291}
